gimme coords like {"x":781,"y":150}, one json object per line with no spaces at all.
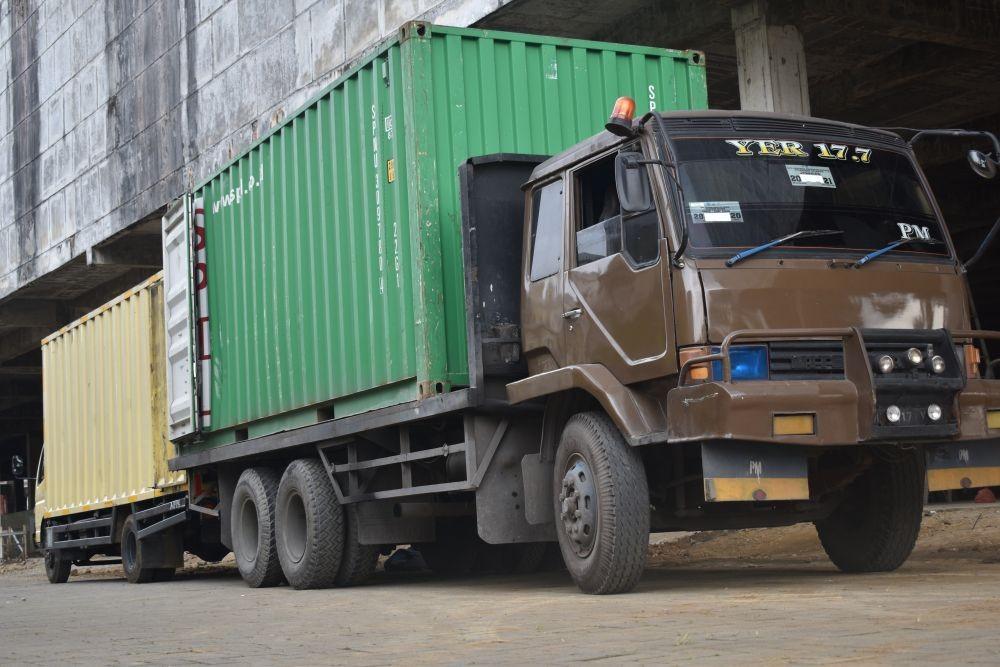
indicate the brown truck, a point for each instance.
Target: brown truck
{"x":697,"y":320}
{"x":745,"y":319}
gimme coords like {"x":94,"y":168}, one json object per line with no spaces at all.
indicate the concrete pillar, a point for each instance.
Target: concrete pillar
{"x":771,"y":62}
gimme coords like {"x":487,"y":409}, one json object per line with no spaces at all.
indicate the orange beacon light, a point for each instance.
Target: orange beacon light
{"x":622,"y":114}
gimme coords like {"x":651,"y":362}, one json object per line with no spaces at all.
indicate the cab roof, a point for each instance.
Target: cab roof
{"x":679,"y":123}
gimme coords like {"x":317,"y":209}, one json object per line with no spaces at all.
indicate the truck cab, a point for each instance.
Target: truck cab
{"x":746,"y":319}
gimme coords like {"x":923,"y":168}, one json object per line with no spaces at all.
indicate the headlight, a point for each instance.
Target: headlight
{"x":886,"y":364}
{"x":937,"y":364}
{"x":893,"y":414}
{"x":746,"y":362}
{"x":934,"y":412}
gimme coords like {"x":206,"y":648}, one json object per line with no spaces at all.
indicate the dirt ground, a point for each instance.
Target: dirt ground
{"x":749,"y":596}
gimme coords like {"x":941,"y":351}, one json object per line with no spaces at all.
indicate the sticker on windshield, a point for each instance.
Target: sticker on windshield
{"x":715,"y":211}
{"x":804,"y":176}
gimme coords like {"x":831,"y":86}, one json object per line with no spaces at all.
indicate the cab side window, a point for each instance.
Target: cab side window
{"x":546,"y":230}
{"x":602,"y":229}
{"x":598,"y":215}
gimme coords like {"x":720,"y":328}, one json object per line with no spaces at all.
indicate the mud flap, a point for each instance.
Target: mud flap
{"x":752,"y":472}
{"x":963,"y":465}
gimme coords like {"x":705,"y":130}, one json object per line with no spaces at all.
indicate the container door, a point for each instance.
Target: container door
{"x":178,"y":307}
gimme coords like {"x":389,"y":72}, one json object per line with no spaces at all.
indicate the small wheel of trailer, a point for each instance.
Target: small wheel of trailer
{"x":57,"y":566}
{"x":358,"y":561}
{"x":132,"y":555}
{"x":875,"y":527}
{"x":253,"y":527}
{"x":310,"y":526}
{"x":601,"y":505}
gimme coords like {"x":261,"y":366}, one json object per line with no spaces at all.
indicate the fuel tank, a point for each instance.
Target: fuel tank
{"x":786,"y":294}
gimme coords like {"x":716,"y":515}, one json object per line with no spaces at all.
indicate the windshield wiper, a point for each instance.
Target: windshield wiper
{"x":875,"y":254}
{"x":805,"y":233}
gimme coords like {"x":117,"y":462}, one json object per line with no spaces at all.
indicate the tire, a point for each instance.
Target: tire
{"x":132,"y":555}
{"x":875,"y":527}
{"x":253,"y":527}
{"x":601,"y":505}
{"x":358,"y":561}
{"x":310,"y":523}
{"x":57,"y":567}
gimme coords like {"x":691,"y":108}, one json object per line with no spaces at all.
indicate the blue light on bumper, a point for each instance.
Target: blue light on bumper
{"x":747,"y":362}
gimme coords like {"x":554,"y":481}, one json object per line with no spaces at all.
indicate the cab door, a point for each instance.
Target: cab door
{"x":616,"y":297}
{"x":544,"y":272}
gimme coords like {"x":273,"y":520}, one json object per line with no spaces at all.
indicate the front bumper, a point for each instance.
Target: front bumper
{"x":963,"y":451}
{"x":847,"y":410}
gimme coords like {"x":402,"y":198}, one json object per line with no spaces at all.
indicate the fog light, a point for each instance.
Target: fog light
{"x":937,"y":364}
{"x":893,"y":413}
{"x":934,"y":412}
{"x":886,"y":364}
{"x":915,"y":356}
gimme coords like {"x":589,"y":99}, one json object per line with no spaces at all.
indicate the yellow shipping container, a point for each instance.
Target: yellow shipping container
{"x":104,"y":397}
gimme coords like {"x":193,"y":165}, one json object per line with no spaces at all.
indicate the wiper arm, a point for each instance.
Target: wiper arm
{"x":805,"y":233}
{"x":875,"y":254}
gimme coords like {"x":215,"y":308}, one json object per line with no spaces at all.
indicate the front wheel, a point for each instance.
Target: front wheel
{"x":57,"y":567}
{"x":875,"y":527}
{"x":601,"y":504}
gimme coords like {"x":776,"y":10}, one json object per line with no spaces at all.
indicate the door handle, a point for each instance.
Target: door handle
{"x":572,"y":314}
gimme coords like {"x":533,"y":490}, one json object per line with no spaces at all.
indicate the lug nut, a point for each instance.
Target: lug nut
{"x":893,"y":414}
{"x":915,"y":356}
{"x":886,"y":364}
{"x":934,"y":412}
{"x":937,"y":364}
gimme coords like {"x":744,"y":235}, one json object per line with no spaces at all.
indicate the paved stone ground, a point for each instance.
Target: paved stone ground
{"x":696,"y":602}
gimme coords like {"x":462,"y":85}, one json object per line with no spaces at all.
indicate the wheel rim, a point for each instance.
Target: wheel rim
{"x":294,"y":527}
{"x":249,"y":531}
{"x":578,"y":506}
{"x":129,"y":549}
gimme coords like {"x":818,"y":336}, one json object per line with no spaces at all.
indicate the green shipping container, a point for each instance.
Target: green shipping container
{"x":332,"y":247}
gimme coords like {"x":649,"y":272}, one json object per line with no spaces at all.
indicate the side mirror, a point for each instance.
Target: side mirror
{"x":982,"y":164}
{"x":17,"y":466}
{"x":635,"y":194}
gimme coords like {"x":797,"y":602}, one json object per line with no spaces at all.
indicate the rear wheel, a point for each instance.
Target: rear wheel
{"x":132,"y":555}
{"x":358,"y":561}
{"x":310,"y":523}
{"x":875,"y":527}
{"x":57,"y":567}
{"x":601,"y":504}
{"x":253,"y":525}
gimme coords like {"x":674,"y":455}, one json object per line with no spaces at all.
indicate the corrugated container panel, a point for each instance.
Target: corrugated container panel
{"x":104,"y":412}
{"x":334,"y":244}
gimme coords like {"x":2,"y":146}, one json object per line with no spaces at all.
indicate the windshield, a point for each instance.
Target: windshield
{"x":742,"y":192}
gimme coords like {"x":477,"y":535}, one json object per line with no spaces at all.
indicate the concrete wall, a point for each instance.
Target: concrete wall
{"x":111,"y":108}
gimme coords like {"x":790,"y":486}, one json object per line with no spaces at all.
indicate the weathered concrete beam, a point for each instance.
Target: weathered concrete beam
{"x":914,"y":63}
{"x":20,"y":371}
{"x":143,"y":257}
{"x":21,"y":341}
{"x":34,"y":313}
{"x":771,"y":62}
{"x":972,"y":25}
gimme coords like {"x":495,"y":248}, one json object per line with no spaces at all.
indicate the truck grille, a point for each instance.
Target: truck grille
{"x":807,"y":360}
